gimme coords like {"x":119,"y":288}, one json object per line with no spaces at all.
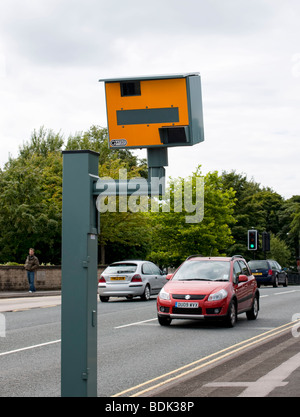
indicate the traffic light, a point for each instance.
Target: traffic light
{"x":265,"y":241}
{"x":252,"y":240}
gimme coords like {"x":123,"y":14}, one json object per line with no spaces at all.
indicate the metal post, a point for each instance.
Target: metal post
{"x":157,"y":159}
{"x":79,"y":275}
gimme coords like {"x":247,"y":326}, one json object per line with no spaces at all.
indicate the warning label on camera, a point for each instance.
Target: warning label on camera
{"x":115,"y":143}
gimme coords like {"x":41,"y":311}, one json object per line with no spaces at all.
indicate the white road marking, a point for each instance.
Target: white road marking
{"x":134,"y":324}
{"x":285,"y":292}
{"x":30,"y":347}
{"x":267,"y":383}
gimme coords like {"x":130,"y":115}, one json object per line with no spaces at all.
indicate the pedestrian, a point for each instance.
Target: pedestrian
{"x":31,"y":265}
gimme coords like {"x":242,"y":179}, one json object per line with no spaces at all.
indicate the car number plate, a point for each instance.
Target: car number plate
{"x":257,"y":273}
{"x":117,"y":278}
{"x":181,"y":304}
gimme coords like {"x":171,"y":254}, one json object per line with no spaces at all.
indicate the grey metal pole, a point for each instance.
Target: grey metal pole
{"x":79,"y":275}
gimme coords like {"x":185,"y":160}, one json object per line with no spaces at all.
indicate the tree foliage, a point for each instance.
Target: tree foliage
{"x":31,"y":201}
{"x":31,"y":204}
{"x":279,"y":251}
{"x":116,"y":228}
{"x":174,"y":239}
{"x":31,"y":196}
{"x":263,"y":209}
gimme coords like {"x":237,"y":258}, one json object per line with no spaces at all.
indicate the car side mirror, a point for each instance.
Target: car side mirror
{"x":243,"y":278}
{"x":169,"y":276}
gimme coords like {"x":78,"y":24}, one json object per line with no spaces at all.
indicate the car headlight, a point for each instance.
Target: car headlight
{"x":217,"y":296}
{"x":164,"y":295}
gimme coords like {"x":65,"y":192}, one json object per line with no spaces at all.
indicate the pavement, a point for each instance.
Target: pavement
{"x":24,"y":300}
{"x":22,"y":294}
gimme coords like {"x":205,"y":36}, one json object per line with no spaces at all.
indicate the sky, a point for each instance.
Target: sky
{"x":53,"y":52}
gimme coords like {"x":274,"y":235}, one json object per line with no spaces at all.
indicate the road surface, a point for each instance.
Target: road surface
{"x":136,"y":356}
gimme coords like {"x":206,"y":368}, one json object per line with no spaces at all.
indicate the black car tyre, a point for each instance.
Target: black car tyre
{"x":231,"y":318}
{"x":164,"y":321}
{"x":275,"y":283}
{"x":147,"y":294}
{"x":104,"y":299}
{"x":286,"y":282}
{"x":253,"y":313}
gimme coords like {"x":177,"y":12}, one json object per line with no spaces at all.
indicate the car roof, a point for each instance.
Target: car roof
{"x":262,"y":260}
{"x":210,"y":258}
{"x":129,"y":261}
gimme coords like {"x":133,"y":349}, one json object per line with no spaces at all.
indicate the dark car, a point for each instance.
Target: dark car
{"x":268,"y":272}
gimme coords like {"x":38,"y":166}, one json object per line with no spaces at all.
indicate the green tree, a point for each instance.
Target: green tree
{"x":42,"y":143}
{"x":30,"y":208}
{"x":279,"y":251}
{"x":243,"y":212}
{"x":124,"y":230}
{"x":96,"y":139}
{"x":295,"y":229}
{"x":256,"y":207}
{"x":130,"y":231}
{"x":174,"y":239}
{"x":31,"y":197}
{"x":289,"y":219}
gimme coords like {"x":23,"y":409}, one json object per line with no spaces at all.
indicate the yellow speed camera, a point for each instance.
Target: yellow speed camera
{"x":157,"y":111}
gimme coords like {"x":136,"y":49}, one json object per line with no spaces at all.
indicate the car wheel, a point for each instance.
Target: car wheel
{"x":275,"y":283}
{"x":231,"y":317}
{"x":253,"y":313}
{"x":286,"y":282}
{"x":147,"y":294}
{"x":164,"y":321}
{"x":104,"y":299}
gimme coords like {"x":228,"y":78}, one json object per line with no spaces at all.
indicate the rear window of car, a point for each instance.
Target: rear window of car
{"x":121,"y":268}
{"x":203,"y":271}
{"x":258,"y":265}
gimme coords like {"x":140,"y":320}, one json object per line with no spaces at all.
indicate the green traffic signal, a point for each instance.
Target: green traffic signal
{"x":252,"y":240}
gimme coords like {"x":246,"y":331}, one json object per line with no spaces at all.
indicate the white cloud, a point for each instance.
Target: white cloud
{"x":53,"y":53}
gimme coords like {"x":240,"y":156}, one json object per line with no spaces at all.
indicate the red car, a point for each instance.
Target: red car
{"x":209,"y":288}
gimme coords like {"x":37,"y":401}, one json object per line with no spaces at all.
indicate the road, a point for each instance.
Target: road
{"x":133,"y":348}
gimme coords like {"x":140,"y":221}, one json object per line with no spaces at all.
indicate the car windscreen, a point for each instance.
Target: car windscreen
{"x":122,"y":268}
{"x":203,"y":271}
{"x":258,"y":265}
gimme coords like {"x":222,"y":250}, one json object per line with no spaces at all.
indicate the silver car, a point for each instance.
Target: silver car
{"x":131,"y":279}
